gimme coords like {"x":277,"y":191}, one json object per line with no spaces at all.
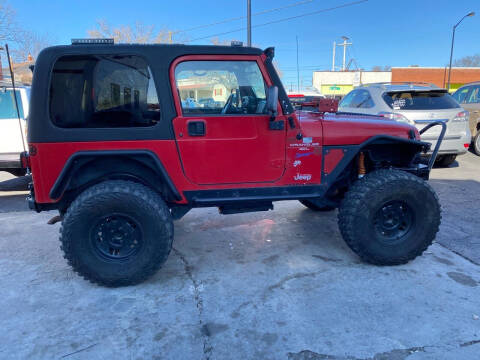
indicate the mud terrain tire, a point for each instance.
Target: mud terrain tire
{"x":117,"y":233}
{"x":389,"y":217}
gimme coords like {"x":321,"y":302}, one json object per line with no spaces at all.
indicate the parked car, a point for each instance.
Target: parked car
{"x":209,"y":103}
{"x":416,"y":104}
{"x":11,"y":139}
{"x":468,"y":96}
{"x":119,"y":172}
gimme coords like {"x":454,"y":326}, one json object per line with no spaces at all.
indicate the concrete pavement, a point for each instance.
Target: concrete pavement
{"x":274,"y":285}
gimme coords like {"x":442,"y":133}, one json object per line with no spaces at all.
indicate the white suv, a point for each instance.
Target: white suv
{"x":417,"y":104}
{"x":11,"y":139}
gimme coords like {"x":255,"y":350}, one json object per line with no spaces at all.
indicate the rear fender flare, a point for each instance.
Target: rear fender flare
{"x":136,"y":164}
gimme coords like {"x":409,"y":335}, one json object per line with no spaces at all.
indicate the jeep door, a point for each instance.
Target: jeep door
{"x":227,"y":140}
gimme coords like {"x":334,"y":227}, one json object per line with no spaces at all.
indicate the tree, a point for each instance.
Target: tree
{"x":468,"y":61}
{"x":9,"y":29}
{"x":376,"y":68}
{"x":139,"y":33}
{"x":23,"y":42}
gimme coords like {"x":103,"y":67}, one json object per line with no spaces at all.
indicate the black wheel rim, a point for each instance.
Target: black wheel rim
{"x":117,"y":237}
{"x":393,"y":221}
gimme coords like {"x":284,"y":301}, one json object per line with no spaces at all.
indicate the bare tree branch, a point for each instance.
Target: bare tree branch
{"x":139,"y":33}
{"x":468,"y":61}
{"x":9,"y":28}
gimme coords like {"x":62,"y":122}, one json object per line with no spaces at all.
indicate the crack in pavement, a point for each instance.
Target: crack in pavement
{"x":458,"y":253}
{"x":207,"y":347}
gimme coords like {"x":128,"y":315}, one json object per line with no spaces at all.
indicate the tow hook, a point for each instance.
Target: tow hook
{"x":55,"y":219}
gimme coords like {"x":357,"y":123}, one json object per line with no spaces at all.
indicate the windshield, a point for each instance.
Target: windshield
{"x":420,"y":100}
{"x":7,"y":105}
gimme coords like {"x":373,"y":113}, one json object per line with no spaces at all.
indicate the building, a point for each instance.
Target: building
{"x":339,"y":83}
{"x":437,"y":75}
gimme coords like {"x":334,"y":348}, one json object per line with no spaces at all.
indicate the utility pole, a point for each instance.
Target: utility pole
{"x":249,"y":23}
{"x":333,"y":57}
{"x":298,"y":69}
{"x":344,"y":44}
{"x":451,"y":49}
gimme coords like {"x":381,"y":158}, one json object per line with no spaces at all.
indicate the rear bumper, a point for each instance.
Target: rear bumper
{"x":454,"y":145}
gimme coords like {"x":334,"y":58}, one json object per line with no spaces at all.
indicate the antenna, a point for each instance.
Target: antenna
{"x":12,"y":77}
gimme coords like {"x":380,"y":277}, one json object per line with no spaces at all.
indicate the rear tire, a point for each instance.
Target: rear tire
{"x":117,"y":233}
{"x":476,"y":143}
{"x":389,"y":217}
{"x":316,"y":205}
{"x":445,"y":160}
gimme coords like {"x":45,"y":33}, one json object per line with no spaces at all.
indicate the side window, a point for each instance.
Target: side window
{"x":474,"y":96}
{"x":103,"y":92}
{"x":362,"y":100}
{"x":347,"y":100}
{"x":461,"y":94}
{"x":220,"y":87}
{"x":8,"y":110}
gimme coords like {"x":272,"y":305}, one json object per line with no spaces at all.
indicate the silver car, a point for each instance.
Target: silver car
{"x":417,"y":104}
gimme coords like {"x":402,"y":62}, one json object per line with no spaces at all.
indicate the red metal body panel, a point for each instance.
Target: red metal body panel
{"x":234,"y":150}
{"x":354,"y":130}
{"x":332,"y":158}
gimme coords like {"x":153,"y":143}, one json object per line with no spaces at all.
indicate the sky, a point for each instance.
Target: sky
{"x":385,"y":33}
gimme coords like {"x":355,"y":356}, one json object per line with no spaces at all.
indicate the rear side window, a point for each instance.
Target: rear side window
{"x":103,"y":92}
{"x":359,"y":99}
{"x":347,"y":100}
{"x":420,"y":100}
{"x":8,"y":109}
{"x":220,"y":87}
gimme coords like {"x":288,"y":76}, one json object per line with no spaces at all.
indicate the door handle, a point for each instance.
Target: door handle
{"x":196,"y":128}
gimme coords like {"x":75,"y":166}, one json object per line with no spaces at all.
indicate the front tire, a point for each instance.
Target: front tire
{"x":389,"y":217}
{"x":117,"y":233}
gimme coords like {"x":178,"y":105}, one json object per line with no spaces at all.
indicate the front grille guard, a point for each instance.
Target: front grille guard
{"x":439,"y":141}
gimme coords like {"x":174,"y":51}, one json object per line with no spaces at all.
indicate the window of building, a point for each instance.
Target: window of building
{"x":96,"y":92}
{"x":220,"y":87}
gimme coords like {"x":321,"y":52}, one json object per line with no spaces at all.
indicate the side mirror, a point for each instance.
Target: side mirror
{"x":272,"y":101}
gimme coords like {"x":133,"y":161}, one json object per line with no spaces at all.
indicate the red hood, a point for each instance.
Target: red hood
{"x":349,"y":129}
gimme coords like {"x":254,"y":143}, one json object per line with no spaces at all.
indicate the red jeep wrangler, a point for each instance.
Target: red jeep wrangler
{"x":124,"y":139}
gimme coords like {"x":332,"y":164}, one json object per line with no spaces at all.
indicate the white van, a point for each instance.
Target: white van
{"x":11,"y":139}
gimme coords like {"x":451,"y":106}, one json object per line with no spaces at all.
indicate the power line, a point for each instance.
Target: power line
{"x":282,"y":20}
{"x":243,"y":17}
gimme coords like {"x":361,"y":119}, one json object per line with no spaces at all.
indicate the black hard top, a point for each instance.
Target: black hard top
{"x":158,"y":56}
{"x":167,"y":50}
